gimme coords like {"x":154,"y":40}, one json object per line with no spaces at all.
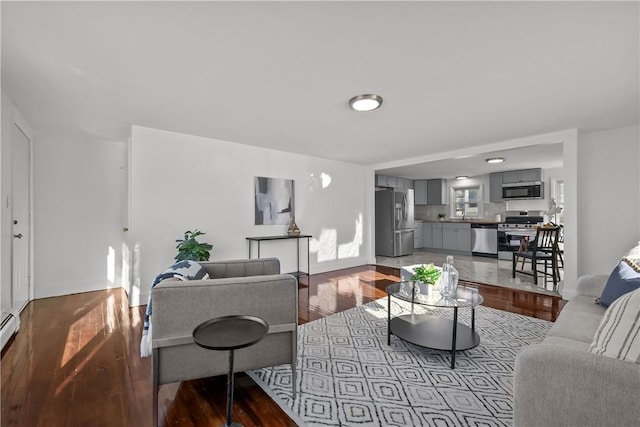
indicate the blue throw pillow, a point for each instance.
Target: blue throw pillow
{"x":623,"y":279}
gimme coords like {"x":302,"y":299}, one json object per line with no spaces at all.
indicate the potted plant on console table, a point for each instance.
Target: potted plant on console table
{"x":190,"y":249}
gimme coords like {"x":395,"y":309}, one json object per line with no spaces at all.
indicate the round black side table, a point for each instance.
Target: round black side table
{"x":230,"y":333}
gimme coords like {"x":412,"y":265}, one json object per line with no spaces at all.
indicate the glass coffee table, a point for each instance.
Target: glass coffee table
{"x":431,"y":331}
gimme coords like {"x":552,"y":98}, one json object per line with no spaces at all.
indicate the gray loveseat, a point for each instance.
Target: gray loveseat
{"x":252,"y":287}
{"x":560,"y":383}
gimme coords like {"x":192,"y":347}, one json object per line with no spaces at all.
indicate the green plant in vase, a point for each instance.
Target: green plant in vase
{"x":190,"y":249}
{"x":428,"y":274}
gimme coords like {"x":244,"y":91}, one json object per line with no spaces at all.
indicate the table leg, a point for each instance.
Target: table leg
{"x":249,"y":249}
{"x":308,"y":260}
{"x":230,"y":386}
{"x":455,"y":332}
{"x":473,"y":318}
{"x":298,"y":257}
{"x":388,"y":319}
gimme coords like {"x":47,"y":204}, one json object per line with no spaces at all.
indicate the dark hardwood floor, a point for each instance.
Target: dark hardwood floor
{"x":76,"y":360}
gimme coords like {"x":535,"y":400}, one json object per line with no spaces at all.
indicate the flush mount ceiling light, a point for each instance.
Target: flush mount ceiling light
{"x":495,"y":160}
{"x":462,"y":177}
{"x":366,"y":102}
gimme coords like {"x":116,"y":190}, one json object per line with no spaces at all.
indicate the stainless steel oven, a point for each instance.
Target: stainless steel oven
{"x":512,"y":230}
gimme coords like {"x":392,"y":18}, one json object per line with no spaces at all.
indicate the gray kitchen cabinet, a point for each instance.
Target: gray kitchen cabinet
{"x":392,"y":181}
{"x":417,"y":235}
{"x":386,"y":181}
{"x":449,"y":239}
{"x":463,"y":240}
{"x":420,"y":193}
{"x":495,"y":187}
{"x":456,"y":237}
{"x":531,"y":175}
{"x":436,"y":191}
{"x":510,"y":177}
{"x":436,"y":236}
{"x":523,"y":175}
{"x":427,"y":235}
{"x":404,"y":183}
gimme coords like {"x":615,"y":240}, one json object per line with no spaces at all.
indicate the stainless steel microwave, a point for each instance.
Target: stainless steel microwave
{"x":523,"y":190}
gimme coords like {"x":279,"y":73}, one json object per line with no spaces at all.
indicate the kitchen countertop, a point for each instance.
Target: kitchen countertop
{"x":459,"y":221}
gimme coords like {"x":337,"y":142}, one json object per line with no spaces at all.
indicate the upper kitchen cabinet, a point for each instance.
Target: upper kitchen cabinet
{"x":393,"y":182}
{"x":495,"y":187}
{"x":407,"y":184}
{"x":420,"y":194}
{"x":524,"y":175}
{"x":386,"y":181}
{"x":436,"y":191}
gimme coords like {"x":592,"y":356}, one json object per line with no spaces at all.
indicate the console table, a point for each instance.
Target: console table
{"x":297,"y":238}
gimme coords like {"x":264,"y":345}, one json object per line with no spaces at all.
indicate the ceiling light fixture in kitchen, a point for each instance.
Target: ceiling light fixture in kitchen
{"x":368,"y":102}
{"x":495,"y":160}
{"x":462,"y":177}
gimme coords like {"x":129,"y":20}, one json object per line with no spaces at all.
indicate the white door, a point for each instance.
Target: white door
{"x":20,"y":212}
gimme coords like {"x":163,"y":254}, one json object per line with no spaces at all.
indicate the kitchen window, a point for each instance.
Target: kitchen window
{"x":467,"y":202}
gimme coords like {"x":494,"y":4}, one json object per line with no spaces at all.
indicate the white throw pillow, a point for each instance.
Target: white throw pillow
{"x":618,"y":335}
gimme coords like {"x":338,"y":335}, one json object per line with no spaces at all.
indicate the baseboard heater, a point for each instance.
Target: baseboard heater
{"x":10,"y":325}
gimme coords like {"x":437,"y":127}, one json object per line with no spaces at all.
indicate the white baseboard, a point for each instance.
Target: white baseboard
{"x":10,"y":326}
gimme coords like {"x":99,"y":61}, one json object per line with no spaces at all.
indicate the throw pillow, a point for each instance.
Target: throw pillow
{"x":618,"y":335}
{"x":623,"y":279}
{"x":633,"y":258}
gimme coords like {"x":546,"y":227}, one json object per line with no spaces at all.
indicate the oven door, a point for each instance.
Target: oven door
{"x":509,"y":240}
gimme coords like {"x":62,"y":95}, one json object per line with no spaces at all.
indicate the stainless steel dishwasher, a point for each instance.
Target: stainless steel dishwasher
{"x":484,"y":239}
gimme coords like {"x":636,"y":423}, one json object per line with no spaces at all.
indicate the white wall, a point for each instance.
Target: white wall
{"x":79,"y":187}
{"x":608,"y":197}
{"x":180,"y":182}
{"x":10,"y":116}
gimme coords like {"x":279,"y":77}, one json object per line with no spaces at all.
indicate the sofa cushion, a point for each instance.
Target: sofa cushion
{"x":584,"y":303}
{"x":576,"y":324}
{"x":567,"y":343}
{"x":618,"y":335}
{"x":623,"y":279}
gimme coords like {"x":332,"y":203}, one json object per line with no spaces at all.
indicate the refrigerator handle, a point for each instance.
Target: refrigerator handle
{"x":405,"y":207}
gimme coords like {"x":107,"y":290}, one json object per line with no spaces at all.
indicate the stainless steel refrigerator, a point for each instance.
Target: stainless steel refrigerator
{"x":394,"y":222}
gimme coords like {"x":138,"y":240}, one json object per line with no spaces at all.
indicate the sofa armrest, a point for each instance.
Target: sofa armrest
{"x":180,"y":306}
{"x":591,"y":285}
{"x":566,"y":387}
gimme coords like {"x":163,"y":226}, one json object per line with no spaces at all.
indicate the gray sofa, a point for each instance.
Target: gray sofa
{"x":560,"y":383}
{"x":251,"y":287}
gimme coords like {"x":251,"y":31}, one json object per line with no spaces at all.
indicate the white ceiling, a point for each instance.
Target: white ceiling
{"x":453,"y":75}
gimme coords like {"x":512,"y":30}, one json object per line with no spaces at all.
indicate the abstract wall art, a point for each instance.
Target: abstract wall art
{"x":274,"y":201}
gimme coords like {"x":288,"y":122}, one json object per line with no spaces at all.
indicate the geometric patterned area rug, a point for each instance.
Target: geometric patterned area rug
{"x":349,"y":376}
